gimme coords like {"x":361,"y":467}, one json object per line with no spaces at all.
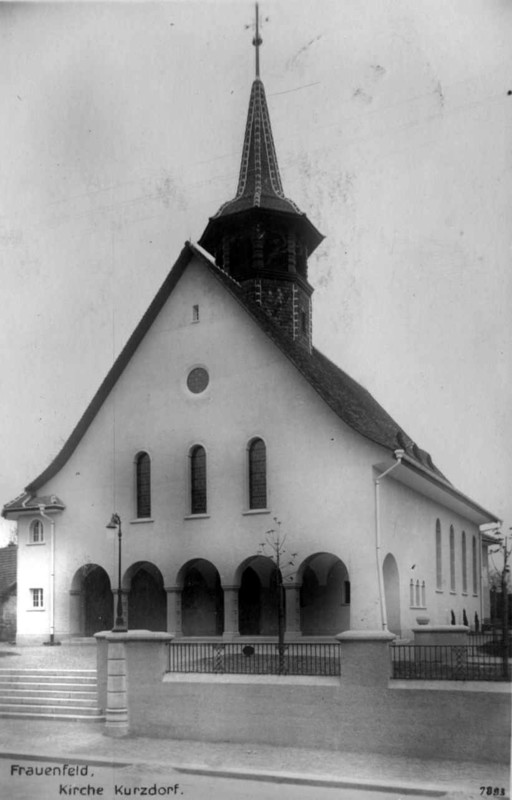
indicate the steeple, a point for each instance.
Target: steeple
{"x":260,"y":236}
{"x":259,"y":182}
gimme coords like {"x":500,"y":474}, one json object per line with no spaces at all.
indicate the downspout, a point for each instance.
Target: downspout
{"x":399,"y":454}
{"x":481,"y":575}
{"x":52,"y":574}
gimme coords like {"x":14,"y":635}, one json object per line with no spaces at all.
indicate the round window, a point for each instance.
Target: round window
{"x":197,"y":380}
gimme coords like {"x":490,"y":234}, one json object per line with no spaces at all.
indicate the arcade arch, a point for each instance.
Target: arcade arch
{"x":147,"y":599}
{"x":258,"y":597}
{"x":91,"y":600}
{"x":324,"y":595}
{"x":202,"y":599}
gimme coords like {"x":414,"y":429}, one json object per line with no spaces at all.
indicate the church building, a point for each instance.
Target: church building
{"x":219,"y":422}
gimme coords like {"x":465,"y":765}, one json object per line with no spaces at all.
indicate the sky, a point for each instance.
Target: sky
{"x":121,"y":128}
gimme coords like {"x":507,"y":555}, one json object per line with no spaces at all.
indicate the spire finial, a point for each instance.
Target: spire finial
{"x":256,"y":42}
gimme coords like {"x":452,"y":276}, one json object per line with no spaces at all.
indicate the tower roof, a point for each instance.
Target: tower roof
{"x":260,"y":190}
{"x":259,"y":183}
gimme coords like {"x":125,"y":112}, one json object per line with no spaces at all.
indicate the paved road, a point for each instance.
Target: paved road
{"x":161,"y":783}
{"x":128,"y":781}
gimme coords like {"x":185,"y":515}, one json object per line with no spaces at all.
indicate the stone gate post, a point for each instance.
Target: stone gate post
{"x":365,"y":657}
{"x":135,"y":656}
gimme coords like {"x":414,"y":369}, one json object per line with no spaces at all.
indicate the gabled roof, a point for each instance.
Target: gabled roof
{"x":349,"y":400}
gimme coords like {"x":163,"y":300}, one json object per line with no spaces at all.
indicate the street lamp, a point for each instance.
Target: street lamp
{"x":119,"y":626}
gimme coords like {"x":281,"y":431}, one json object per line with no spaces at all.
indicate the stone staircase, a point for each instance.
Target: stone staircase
{"x":63,"y":694}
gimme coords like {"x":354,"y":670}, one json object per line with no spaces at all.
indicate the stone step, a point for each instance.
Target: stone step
{"x":49,"y":694}
{"x":88,"y":686}
{"x":51,"y":710}
{"x":44,"y":691}
{"x":99,"y":717}
{"x":89,"y":702}
{"x":49,"y":677}
{"x":86,"y":673}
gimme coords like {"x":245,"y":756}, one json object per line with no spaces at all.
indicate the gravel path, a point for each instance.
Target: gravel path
{"x":66,"y":656}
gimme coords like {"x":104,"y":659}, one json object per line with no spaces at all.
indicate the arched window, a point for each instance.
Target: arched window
{"x":411,"y":593}
{"x":143,"y":482}
{"x":418,"y":600}
{"x":452,"y":559}
{"x":475,"y":566}
{"x":198,"y":480}
{"x":439,"y":557}
{"x":423,"y":595}
{"x":257,"y":474}
{"x":36,"y":532}
{"x":464,"y":564}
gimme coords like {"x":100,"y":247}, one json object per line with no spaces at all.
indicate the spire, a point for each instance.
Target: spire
{"x":260,"y":237}
{"x":257,"y":41}
{"x":259,"y":181}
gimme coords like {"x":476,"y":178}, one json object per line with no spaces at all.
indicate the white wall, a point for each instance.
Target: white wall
{"x":409,"y":532}
{"x":320,"y":476}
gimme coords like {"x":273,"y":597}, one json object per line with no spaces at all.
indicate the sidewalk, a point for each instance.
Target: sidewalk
{"x":72,"y":741}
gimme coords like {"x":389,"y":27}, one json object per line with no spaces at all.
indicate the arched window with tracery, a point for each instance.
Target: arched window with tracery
{"x":198,"y":504}
{"x":143,"y":484}
{"x":257,"y":454}
{"x":439,"y":557}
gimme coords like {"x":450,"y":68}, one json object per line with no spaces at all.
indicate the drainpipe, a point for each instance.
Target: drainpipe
{"x":52,"y":574}
{"x":399,"y":454}
{"x":481,"y":575}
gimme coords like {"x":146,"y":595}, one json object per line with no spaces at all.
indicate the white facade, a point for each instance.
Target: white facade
{"x":187,"y":573}
{"x":364,"y":550}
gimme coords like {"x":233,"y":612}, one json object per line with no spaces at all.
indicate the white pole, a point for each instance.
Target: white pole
{"x":399,"y":454}
{"x":52,"y":572}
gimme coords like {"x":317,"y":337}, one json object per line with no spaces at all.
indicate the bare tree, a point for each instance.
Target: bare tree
{"x":274,"y":547}
{"x":504,"y":547}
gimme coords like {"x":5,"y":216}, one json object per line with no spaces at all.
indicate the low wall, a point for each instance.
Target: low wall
{"x":418,"y":723}
{"x":362,"y":711}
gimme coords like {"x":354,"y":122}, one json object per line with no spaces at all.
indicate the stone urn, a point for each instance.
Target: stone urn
{"x":422,"y":620}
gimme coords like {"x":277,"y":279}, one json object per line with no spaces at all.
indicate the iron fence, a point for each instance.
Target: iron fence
{"x":447,"y":662}
{"x":261,"y":658}
{"x":480,"y":639}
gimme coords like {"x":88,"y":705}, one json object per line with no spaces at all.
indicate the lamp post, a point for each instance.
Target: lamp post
{"x":119,"y":626}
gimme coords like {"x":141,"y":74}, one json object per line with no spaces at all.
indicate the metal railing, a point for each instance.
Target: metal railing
{"x":480,"y":639}
{"x":261,"y":658}
{"x":446,"y":662}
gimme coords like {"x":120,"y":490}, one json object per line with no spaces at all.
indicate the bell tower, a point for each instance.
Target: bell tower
{"x":260,"y":237}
